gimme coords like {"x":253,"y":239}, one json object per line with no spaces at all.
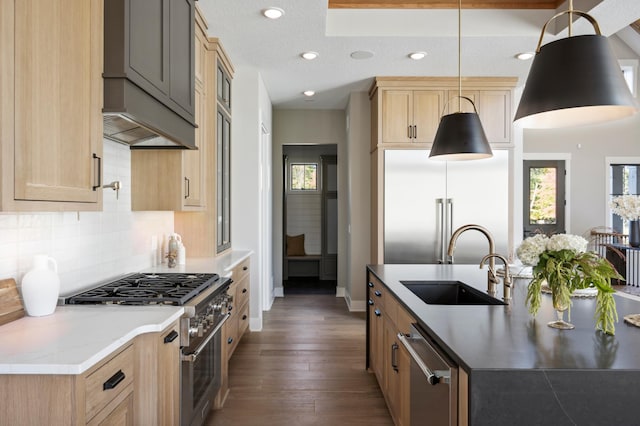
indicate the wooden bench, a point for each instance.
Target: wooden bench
{"x":303,"y":266}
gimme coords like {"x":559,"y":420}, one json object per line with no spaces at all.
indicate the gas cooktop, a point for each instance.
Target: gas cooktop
{"x":147,"y":289}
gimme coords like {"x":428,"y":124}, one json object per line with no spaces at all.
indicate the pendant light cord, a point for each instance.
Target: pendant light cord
{"x":570,"y":18}
{"x":460,"y":55}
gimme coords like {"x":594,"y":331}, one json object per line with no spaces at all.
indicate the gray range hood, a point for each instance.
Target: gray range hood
{"x":149,"y":86}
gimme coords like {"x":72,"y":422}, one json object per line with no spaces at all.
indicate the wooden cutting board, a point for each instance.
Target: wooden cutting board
{"x":10,"y":303}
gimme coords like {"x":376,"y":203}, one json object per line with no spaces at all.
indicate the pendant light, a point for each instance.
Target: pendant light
{"x":574,"y":81}
{"x":460,"y":135}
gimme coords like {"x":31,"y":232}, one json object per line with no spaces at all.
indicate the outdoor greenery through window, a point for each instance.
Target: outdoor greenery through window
{"x":542,"y":181}
{"x":304,"y":177}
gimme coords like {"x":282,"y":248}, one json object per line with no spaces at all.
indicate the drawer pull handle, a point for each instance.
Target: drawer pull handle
{"x":377,"y":293}
{"x":244,"y":290}
{"x":244,"y":317}
{"x":171,"y":337}
{"x":244,"y":268}
{"x":113,"y":380}
{"x":371,"y":284}
{"x":377,"y":312}
{"x":230,"y":340}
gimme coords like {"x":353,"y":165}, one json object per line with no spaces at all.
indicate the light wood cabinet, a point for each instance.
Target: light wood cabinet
{"x":51,"y":104}
{"x":164,"y":179}
{"x":102,"y":395}
{"x":387,"y":356}
{"x":157,"y":357}
{"x":407,"y":110}
{"x":237,"y":324}
{"x":411,"y":115}
{"x":205,"y":229}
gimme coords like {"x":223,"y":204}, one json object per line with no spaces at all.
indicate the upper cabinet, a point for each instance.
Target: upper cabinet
{"x":223,"y":158}
{"x":407,"y":110}
{"x":50,"y":104}
{"x":411,"y":115}
{"x":164,"y":179}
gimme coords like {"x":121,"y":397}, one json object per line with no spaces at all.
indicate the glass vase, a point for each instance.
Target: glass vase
{"x":560,"y":306}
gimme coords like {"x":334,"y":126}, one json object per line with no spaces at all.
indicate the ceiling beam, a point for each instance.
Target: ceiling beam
{"x":444,"y":4}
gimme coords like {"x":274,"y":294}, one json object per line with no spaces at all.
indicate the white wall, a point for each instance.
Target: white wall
{"x":251,"y":113}
{"x":588,"y":147}
{"x":304,"y":127}
{"x":89,"y":247}
{"x":359,"y":217}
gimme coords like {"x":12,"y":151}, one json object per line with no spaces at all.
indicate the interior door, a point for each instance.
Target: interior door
{"x":544,"y":197}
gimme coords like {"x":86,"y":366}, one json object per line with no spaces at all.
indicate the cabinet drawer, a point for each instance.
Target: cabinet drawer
{"x":377,"y":291}
{"x":105,"y":383}
{"x":243,"y":320}
{"x":231,"y":334}
{"x":241,"y":270}
{"x":242,"y":292}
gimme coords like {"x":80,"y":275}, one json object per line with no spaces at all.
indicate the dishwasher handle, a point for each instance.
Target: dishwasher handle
{"x":433,"y":377}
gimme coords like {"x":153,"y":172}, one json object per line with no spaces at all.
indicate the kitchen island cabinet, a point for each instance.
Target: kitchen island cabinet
{"x":91,"y":365}
{"x":51,"y":55}
{"x":516,"y":369}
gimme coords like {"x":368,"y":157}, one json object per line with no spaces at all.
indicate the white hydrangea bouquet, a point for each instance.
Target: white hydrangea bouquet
{"x":565,"y":264}
{"x":626,"y":206}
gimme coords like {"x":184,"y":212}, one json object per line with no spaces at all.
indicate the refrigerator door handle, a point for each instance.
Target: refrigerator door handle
{"x":449,"y":229}
{"x":441,"y":230}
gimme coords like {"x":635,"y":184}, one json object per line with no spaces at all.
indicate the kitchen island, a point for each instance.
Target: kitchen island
{"x":520,"y":371}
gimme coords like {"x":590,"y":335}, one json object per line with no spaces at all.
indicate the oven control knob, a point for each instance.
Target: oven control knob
{"x":193,"y":331}
{"x":210,"y":318}
{"x":200,"y":330}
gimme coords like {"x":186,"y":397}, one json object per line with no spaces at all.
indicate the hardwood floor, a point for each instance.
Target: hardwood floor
{"x":307,"y":367}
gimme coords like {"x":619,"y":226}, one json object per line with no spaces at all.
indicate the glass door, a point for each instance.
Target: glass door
{"x":544,"y":197}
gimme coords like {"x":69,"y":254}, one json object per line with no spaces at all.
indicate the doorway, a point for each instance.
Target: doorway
{"x":310,"y":217}
{"x":544,"y":197}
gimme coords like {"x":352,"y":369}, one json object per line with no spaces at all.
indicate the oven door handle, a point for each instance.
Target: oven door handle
{"x":193,"y":356}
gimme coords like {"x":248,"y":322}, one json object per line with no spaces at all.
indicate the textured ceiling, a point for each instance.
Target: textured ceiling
{"x":490,"y":39}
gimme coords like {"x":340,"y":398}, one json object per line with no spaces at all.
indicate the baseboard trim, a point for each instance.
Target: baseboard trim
{"x":357,"y":306}
{"x":278,"y":292}
{"x":340,"y":292}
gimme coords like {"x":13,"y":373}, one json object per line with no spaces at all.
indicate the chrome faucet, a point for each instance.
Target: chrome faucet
{"x":507,"y":277}
{"x":492,"y":280}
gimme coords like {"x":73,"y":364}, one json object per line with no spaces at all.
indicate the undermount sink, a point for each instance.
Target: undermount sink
{"x":449,"y":293}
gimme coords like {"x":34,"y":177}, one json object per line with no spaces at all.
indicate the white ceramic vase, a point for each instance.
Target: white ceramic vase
{"x":41,"y":286}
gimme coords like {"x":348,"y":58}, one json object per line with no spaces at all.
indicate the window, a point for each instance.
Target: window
{"x":544,"y":197}
{"x":304,"y":177}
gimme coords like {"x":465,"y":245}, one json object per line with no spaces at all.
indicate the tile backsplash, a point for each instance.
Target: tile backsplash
{"x":88,"y":246}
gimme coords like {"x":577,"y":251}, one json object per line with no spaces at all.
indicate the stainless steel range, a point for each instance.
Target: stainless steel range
{"x":207,"y":305}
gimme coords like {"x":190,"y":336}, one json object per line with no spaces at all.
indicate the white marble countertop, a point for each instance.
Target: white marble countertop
{"x":75,"y":338}
{"x":221,"y":265}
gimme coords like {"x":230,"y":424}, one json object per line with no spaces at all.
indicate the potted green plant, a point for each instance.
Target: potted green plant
{"x":563,"y":262}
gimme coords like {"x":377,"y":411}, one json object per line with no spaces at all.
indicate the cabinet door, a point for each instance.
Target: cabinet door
{"x":58,"y":100}
{"x":193,"y":161}
{"x":494,"y":108}
{"x":397,"y":108}
{"x":427,"y":109}
{"x":149,"y":38}
{"x":397,"y":372}
{"x":223,"y":181}
{"x":169,"y":377}
{"x":182,"y":53}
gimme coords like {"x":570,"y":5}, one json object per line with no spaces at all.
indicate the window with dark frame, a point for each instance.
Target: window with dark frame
{"x":303,"y":177}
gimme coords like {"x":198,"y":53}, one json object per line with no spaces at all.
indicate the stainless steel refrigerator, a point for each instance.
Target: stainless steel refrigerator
{"x":426,"y":200}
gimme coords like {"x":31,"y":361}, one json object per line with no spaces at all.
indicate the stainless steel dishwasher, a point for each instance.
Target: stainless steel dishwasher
{"x":434,"y":382}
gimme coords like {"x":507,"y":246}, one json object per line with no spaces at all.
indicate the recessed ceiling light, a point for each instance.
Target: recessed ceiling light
{"x":309,"y":93}
{"x":525,"y":56}
{"x":361,"y":54}
{"x":416,"y":56}
{"x":273,"y":12}
{"x":310,"y":55}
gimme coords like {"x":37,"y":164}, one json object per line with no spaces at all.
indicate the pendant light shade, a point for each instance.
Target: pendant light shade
{"x":460,"y":137}
{"x":574,"y":81}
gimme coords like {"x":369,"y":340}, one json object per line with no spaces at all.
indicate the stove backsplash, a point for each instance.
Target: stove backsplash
{"x":97,"y":246}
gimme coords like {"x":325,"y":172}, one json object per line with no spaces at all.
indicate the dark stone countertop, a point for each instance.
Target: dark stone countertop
{"x":522,"y":372}
{"x":508,"y":337}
